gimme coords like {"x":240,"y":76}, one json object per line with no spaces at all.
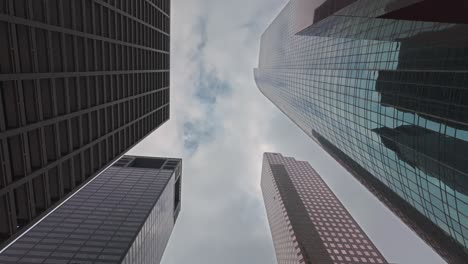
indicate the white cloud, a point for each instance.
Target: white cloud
{"x":223,"y":218}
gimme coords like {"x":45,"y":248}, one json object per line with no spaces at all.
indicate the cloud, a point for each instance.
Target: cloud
{"x":196,"y":133}
{"x":210,"y":87}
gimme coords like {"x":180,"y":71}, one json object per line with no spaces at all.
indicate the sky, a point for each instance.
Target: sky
{"x":220,"y":125}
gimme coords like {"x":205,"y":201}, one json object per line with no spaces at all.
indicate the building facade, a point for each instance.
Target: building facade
{"x":125,"y":215}
{"x":382,"y":86}
{"x":81,"y":82}
{"x":308,"y":223}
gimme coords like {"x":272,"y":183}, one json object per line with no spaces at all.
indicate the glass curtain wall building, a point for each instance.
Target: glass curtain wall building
{"x":81,"y":82}
{"x":125,"y":215}
{"x":307,"y":221}
{"x":383,"y":87}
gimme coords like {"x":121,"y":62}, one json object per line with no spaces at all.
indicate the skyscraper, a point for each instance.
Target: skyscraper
{"x":81,"y":82}
{"x":125,"y":215}
{"x":307,"y":221}
{"x":381,"y":85}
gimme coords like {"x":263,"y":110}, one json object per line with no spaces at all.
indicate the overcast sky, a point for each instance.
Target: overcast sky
{"x":220,"y":126}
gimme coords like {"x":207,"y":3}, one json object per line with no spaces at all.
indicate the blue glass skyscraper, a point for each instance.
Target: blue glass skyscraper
{"x":383,"y":87}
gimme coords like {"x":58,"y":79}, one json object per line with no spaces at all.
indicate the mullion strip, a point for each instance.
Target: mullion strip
{"x":94,"y":93}
{"x":101,"y":25}
{"x":20,"y":108}
{"x":74,"y":37}
{"x":58,"y":142}
{"x":99,"y":157}
{"x":105,"y":101}
{"x":20,"y":103}
{"x":112,"y":87}
{"x":78,"y":94}
{"x":62,"y":37}
{"x":86,"y":65}
{"x":51,"y":65}
{"x":38,"y":107}
{"x":137,"y":23}
{"x":9,"y":179}
{"x":2,"y":112}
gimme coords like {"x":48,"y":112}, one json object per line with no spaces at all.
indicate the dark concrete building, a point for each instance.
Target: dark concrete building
{"x":308,"y":223}
{"x":382,"y":87}
{"x":124,"y":215}
{"x":81,"y":82}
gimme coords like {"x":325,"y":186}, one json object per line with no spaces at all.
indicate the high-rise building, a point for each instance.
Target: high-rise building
{"x":308,"y":223}
{"x":81,"y":82}
{"x":382,"y":86}
{"x":124,"y":215}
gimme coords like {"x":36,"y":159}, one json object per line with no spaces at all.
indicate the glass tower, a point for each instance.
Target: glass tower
{"x":81,"y":82}
{"x":383,"y":87}
{"x":308,"y":223}
{"x":125,"y":215}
